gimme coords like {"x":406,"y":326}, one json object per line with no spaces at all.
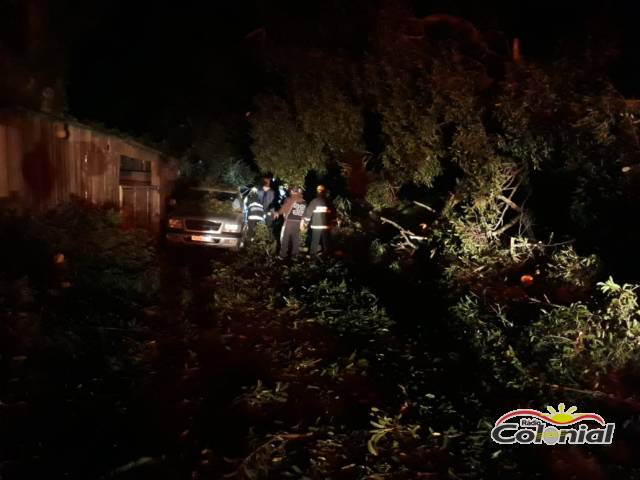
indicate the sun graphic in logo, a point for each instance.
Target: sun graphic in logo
{"x":561,"y":416}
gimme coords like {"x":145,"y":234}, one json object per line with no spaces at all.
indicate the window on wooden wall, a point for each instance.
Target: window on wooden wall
{"x":134,"y":171}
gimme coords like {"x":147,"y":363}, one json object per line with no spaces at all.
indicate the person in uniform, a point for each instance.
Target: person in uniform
{"x":267,"y":196}
{"x":255,"y":211}
{"x":292,"y":211}
{"x":318,"y":217}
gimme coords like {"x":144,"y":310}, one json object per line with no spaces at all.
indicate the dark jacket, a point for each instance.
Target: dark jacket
{"x":268,"y":199}
{"x":318,"y":214}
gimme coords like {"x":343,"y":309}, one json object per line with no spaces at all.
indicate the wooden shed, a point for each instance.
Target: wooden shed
{"x":45,"y":160}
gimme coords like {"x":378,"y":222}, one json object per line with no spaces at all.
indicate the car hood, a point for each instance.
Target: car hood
{"x":189,"y":211}
{"x":221,"y":217}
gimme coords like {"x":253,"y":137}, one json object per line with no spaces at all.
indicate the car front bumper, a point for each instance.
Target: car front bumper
{"x":217,"y":240}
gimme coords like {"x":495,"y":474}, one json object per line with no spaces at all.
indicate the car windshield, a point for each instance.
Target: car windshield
{"x":214,"y":201}
{"x":206,"y":195}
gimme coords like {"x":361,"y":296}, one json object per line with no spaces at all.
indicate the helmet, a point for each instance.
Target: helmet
{"x":296,"y":189}
{"x":320,"y":188}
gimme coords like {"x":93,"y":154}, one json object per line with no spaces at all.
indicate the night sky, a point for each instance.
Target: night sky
{"x":149,"y":68}
{"x":160,"y":65}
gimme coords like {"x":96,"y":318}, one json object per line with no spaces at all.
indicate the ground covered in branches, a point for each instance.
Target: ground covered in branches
{"x":204,"y":365}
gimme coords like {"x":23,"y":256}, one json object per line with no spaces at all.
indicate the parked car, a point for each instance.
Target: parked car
{"x":212,"y":217}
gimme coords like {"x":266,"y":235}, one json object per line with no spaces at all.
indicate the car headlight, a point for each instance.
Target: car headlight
{"x":176,"y":223}
{"x":231,"y":227}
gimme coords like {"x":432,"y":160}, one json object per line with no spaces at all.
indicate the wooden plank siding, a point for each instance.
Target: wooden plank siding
{"x":45,"y":160}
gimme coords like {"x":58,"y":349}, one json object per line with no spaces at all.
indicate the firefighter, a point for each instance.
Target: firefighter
{"x":267,"y":197}
{"x":317,"y":216}
{"x":292,"y":211}
{"x":255,"y":211}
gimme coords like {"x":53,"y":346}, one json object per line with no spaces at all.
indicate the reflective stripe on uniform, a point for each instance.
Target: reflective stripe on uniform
{"x":321,"y":209}
{"x":255,"y":211}
{"x":319,"y":227}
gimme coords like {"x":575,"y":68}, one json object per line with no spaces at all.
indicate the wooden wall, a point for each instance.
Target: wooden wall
{"x":45,"y":161}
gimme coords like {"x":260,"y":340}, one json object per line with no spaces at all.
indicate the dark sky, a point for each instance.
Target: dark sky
{"x":145,"y":64}
{"x":149,"y":67}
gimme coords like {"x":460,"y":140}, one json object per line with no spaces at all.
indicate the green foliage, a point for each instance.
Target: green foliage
{"x":325,"y":291}
{"x":320,"y":94}
{"x":381,"y":194}
{"x":342,"y":207}
{"x":280,"y":145}
{"x":441,"y":124}
{"x":345,"y":309}
{"x":230,"y":171}
{"x":261,"y":246}
{"x":599,"y":141}
{"x":583,"y":344}
{"x":491,"y":335}
{"x":389,"y":429}
{"x":525,"y":108}
{"x":214,"y":159}
{"x":412,"y":134}
{"x":102,"y":261}
{"x":377,"y":250}
{"x":486,"y":148}
{"x":566,"y":265}
{"x":260,"y":395}
{"x":576,"y":345}
{"x":310,"y":122}
{"x":71,"y":290}
{"x":433,"y":110}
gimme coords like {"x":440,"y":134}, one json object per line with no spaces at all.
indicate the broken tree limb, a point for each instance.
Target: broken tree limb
{"x":422,"y":205}
{"x":406,"y":234}
{"x":504,"y":228}
{"x":397,"y":225}
{"x":141,"y":462}
{"x":510,"y":203}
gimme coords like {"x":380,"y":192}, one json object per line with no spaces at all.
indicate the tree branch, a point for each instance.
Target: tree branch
{"x":504,"y":228}
{"x":406,"y":234}
{"x":419,"y":204}
{"x":509,"y":202}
